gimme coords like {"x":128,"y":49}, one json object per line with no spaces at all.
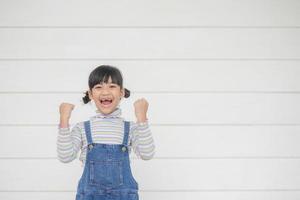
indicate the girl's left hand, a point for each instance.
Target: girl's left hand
{"x":141,"y":107}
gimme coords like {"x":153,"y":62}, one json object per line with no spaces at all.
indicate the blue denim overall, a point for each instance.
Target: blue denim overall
{"x":107,"y":172}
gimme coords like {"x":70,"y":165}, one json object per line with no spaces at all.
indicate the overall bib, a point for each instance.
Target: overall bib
{"x":107,"y":172}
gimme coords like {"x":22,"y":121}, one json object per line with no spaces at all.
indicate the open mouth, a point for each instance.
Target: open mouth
{"x":106,"y":101}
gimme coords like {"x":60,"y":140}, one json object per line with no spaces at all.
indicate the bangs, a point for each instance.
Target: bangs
{"x":102,"y":73}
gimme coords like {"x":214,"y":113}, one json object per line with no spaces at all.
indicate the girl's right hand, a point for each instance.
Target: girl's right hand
{"x":65,"y":110}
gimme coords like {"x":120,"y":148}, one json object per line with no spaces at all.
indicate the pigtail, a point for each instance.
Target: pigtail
{"x":86,"y":98}
{"x":127,"y":93}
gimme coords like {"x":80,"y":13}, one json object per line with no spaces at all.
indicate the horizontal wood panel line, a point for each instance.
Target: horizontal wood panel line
{"x":159,"y":92}
{"x":176,"y":158}
{"x":196,"y":190}
{"x":151,"y":27}
{"x":149,"y":59}
{"x":155,"y":124}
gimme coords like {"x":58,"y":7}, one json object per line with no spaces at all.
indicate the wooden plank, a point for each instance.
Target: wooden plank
{"x":154,"y":76}
{"x":166,"y":43}
{"x":170,"y":108}
{"x":175,"y":195}
{"x":147,"y":13}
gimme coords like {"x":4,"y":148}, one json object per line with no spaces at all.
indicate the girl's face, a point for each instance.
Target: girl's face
{"x":106,"y":96}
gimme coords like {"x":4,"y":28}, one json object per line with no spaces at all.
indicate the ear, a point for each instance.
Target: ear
{"x":90,"y":94}
{"x":122,"y":92}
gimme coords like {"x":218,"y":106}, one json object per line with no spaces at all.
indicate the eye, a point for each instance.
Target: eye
{"x":113,"y":86}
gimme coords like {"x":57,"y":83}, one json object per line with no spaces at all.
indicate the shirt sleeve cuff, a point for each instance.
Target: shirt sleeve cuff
{"x":143,"y":124}
{"x":63,"y":128}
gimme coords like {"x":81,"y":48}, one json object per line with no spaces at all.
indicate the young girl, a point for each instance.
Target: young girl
{"x":106,"y":139}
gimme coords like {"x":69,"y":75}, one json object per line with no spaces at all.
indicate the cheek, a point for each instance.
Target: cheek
{"x":96,"y":94}
{"x":117,"y":94}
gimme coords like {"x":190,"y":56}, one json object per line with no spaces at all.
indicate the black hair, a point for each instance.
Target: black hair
{"x":101,"y":74}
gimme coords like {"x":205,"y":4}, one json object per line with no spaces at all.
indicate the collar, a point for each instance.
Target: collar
{"x":115,"y":114}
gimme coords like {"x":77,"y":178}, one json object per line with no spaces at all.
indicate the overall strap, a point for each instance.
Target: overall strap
{"x":87,"y":127}
{"x":126,"y":132}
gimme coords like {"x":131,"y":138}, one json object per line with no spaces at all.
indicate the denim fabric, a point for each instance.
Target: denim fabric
{"x":107,"y":172}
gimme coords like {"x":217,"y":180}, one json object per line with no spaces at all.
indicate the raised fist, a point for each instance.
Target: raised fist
{"x":141,"y":107}
{"x":65,"y":110}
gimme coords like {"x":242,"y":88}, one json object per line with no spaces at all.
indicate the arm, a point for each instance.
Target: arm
{"x":142,"y":140}
{"x":68,"y":143}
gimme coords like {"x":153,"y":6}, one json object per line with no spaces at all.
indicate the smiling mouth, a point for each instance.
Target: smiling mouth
{"x":105,"y":101}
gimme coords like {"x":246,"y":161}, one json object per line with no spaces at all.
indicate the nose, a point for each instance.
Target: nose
{"x":105,"y":90}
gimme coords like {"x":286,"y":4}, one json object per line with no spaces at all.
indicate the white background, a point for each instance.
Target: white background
{"x":221,"y":78}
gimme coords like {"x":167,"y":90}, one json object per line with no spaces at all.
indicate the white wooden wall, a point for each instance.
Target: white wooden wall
{"x":221,"y":77}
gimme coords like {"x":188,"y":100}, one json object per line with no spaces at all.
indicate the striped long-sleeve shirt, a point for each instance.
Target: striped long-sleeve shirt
{"x":107,"y":129}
